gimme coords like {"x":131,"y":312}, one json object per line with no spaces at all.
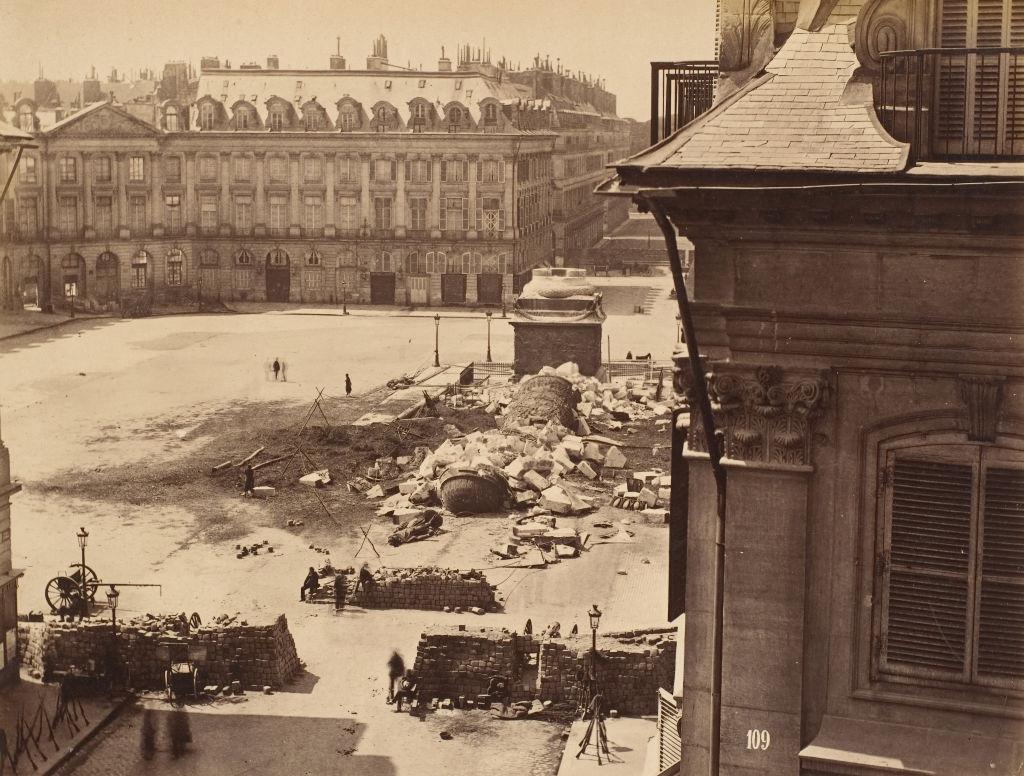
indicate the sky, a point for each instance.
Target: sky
{"x":613,"y":40}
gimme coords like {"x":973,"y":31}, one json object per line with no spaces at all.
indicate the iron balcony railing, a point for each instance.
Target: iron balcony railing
{"x":954,"y":104}
{"x":680,"y":92}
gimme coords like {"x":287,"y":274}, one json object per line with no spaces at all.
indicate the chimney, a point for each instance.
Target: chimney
{"x":379,"y":58}
{"x":337,"y":62}
{"x":273,"y":63}
{"x":444,"y":65}
{"x":209,"y":63}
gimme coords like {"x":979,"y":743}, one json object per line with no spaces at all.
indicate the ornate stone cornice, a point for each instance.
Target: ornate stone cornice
{"x":765,"y":414}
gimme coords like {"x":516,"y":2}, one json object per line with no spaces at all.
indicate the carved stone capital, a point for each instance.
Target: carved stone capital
{"x":982,"y":396}
{"x":766,"y":414}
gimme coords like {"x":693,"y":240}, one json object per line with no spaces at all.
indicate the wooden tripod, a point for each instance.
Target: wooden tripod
{"x":597,"y":734}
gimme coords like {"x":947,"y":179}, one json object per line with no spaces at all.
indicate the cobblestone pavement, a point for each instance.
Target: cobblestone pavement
{"x":226,"y":743}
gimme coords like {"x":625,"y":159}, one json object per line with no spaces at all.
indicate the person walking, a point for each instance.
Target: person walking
{"x":276,"y":366}
{"x":348,"y":385}
{"x":396,"y":667}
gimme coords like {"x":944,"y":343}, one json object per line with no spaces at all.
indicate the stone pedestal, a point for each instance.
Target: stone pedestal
{"x":556,"y":319}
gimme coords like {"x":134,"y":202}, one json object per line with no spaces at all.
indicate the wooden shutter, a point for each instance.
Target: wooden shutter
{"x":408,"y":171}
{"x":927,"y":566}
{"x":444,"y":171}
{"x":1001,"y":610}
{"x":465,"y":171}
{"x":373,"y":169}
{"x":443,"y":216}
{"x":394,"y":170}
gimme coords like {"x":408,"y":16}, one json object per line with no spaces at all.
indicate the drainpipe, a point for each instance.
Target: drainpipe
{"x":714,"y":444}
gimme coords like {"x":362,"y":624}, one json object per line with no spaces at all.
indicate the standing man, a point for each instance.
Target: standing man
{"x":276,"y":366}
{"x":348,"y":385}
{"x":249,"y":480}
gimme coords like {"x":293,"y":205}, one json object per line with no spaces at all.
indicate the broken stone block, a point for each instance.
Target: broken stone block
{"x":316,"y":479}
{"x":649,"y":497}
{"x":592,"y":452}
{"x":614,"y":458}
{"x":518,"y":467}
{"x":664,"y":493}
{"x":375,"y":492}
{"x":587,"y":470}
{"x":565,"y":551}
{"x":582,"y":427}
{"x":263,"y":491}
{"x":556,"y":500}
{"x":408,"y":487}
{"x":655,"y":515}
{"x":536,"y":481}
{"x":584,"y":408}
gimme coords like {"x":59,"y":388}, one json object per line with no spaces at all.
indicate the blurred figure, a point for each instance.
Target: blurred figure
{"x":180,"y":732}
{"x":276,"y":366}
{"x":148,"y":742}
{"x":310,"y":583}
{"x":396,"y":667}
{"x":348,"y":385}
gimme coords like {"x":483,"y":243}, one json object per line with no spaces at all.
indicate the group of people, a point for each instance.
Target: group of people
{"x":311,"y":584}
{"x":280,"y":373}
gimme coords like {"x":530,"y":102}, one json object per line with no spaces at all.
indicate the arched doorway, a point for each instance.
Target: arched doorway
{"x":279,"y":275}
{"x":73,"y":276}
{"x":108,"y":278}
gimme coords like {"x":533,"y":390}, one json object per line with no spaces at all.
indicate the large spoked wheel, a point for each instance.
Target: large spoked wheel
{"x":63,"y":594}
{"x":91,"y":580}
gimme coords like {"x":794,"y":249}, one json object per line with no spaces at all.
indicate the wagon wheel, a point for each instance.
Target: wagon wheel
{"x":92,"y":581}
{"x":62,"y":593}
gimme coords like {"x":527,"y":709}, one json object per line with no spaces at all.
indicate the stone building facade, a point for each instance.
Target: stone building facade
{"x":383,"y":186}
{"x":857,"y":300}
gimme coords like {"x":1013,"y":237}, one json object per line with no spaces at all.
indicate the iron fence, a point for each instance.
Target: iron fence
{"x":680,"y":92}
{"x":954,"y":103}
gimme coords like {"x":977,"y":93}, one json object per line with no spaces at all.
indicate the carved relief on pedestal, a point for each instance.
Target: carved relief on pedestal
{"x":884,"y":25}
{"x":765,"y":414}
{"x":747,"y":32}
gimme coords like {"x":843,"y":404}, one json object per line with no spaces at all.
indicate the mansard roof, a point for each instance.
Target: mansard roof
{"x":397,"y":88}
{"x":809,"y":112}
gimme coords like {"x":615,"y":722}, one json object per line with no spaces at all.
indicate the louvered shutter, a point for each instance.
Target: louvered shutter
{"x":408,"y":171}
{"x":430,"y":169}
{"x":479,"y":171}
{"x":444,"y":213}
{"x":465,"y":171}
{"x":927,"y":566}
{"x":1001,"y":610}
{"x":394,"y":170}
{"x":444,"y":172}
{"x":373,"y":169}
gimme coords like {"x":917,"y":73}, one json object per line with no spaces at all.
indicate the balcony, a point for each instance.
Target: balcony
{"x":954,"y":104}
{"x":680,"y":92}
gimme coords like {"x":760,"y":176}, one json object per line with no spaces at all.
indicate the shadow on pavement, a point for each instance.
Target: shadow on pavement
{"x":71,"y":328}
{"x":224,"y":743}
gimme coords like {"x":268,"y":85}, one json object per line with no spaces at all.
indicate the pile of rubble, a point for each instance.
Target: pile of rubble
{"x":428,"y":587}
{"x":526,"y":464}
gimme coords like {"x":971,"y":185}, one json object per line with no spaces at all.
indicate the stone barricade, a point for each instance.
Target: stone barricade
{"x":256,"y":655}
{"x":422,"y":588}
{"x":630,"y":667}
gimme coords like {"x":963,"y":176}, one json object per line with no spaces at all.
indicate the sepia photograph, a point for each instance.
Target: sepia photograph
{"x":565,"y":388}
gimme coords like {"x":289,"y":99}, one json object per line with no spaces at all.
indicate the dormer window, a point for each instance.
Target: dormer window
{"x":171,"y":119}
{"x":206,"y":116}
{"x":490,"y":113}
{"x":454,"y":119}
{"x":242,"y":118}
{"x":26,"y":118}
{"x":313,"y":120}
{"x":382,"y":118}
{"x":276,"y":120}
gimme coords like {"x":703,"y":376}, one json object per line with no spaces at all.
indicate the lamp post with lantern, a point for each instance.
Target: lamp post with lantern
{"x":344,"y":297}
{"x":489,"y":315}
{"x":437,"y":335}
{"x":83,"y":541}
{"x":112,"y":595}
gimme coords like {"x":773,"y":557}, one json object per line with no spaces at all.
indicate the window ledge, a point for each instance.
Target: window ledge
{"x":857,"y":747}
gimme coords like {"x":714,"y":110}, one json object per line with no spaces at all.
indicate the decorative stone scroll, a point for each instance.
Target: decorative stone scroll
{"x":983,"y":398}
{"x":765,"y":414}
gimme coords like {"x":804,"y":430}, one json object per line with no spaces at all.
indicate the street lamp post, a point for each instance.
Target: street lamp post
{"x":344,"y":297}
{"x":595,"y":620}
{"x":489,"y":314}
{"x":112,"y":595}
{"x":83,"y":540}
{"x":679,"y":328}
{"x":437,"y":335}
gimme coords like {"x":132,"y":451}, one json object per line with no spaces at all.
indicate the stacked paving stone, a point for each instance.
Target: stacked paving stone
{"x":429,"y":587}
{"x":452,"y":663}
{"x":260,"y":655}
{"x":458,"y":664}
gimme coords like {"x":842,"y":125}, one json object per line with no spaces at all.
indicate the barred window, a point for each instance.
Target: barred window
{"x":67,"y":167}
{"x":136,"y":168}
{"x":175,"y":264}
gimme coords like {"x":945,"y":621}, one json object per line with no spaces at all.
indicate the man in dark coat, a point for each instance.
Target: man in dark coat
{"x":276,"y":367}
{"x":348,"y":385}
{"x":311,"y":583}
{"x":249,"y":480}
